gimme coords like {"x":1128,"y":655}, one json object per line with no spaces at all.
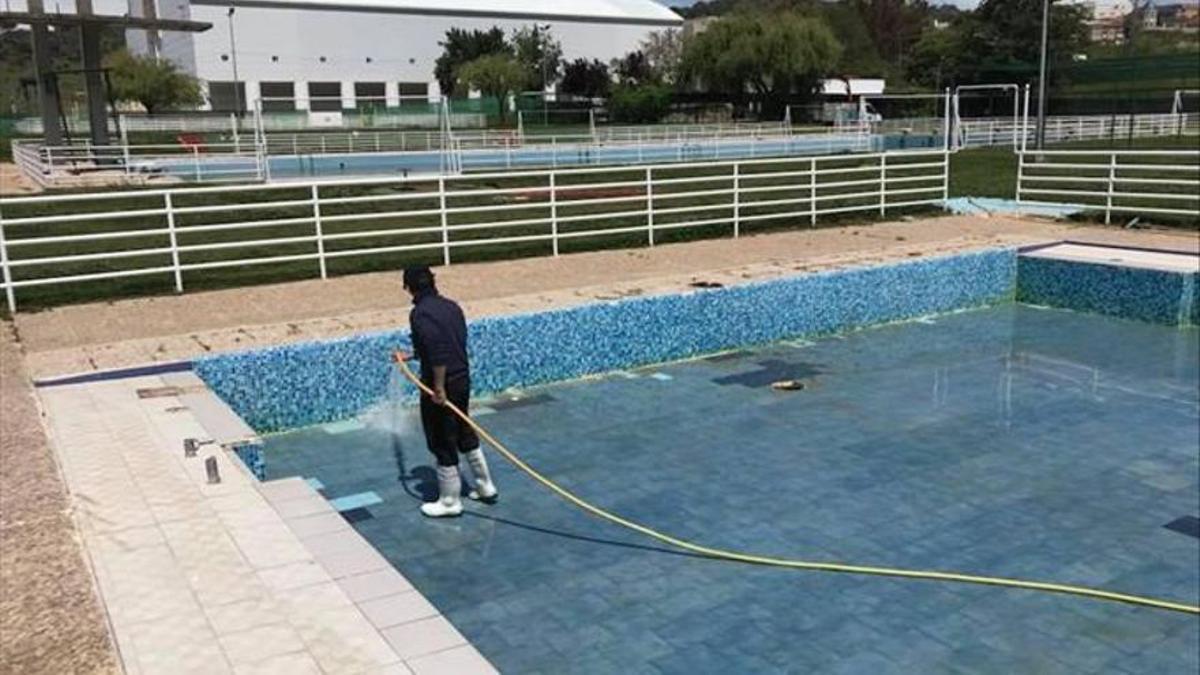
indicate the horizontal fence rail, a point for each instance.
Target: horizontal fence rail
{"x":205,"y":236}
{"x":1165,"y":182}
{"x":979,"y":132}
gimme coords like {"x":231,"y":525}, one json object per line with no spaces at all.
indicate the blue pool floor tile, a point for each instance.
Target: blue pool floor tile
{"x":1010,"y":441}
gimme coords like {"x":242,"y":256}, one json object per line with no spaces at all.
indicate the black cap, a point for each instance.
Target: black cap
{"x":418,"y":278}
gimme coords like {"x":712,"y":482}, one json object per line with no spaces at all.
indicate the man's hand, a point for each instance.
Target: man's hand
{"x":400,"y":357}
{"x":439,"y":396}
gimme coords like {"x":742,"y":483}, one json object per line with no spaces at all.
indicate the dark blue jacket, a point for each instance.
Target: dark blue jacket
{"x":439,"y":336}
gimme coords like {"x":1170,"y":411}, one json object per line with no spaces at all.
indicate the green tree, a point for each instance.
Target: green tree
{"x":942,"y":56}
{"x":999,"y":42}
{"x":633,"y":69}
{"x":645,"y":104}
{"x":495,"y":75}
{"x":586,"y":78}
{"x":774,"y":56}
{"x":463,"y":46}
{"x":156,"y":84}
{"x":663,"y":51}
{"x":894,"y":25}
{"x":540,"y":54}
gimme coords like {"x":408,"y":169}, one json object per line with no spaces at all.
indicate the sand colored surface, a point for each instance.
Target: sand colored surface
{"x":50,"y":617}
{"x":13,"y":183}
{"x":100,"y":336}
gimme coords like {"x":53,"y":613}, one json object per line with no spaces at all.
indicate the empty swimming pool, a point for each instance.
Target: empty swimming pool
{"x":1010,"y":441}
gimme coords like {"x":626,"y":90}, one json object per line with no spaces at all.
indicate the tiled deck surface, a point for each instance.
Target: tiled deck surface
{"x":1105,"y":255}
{"x":1037,"y":444}
{"x":228,"y":577}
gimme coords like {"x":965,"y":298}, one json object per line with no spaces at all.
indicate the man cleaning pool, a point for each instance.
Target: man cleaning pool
{"x":439,"y":338}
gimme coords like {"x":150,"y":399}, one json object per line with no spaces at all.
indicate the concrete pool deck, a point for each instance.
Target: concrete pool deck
{"x":48,"y":615}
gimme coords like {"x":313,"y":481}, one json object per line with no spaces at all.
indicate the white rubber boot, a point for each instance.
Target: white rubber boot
{"x":448,"y":504}
{"x":485,"y":490}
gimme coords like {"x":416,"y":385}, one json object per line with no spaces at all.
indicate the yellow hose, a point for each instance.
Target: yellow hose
{"x":735,"y":556}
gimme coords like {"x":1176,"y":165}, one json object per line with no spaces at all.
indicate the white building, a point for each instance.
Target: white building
{"x":300,"y":54}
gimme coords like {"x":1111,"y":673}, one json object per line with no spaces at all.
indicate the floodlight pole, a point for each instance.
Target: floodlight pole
{"x":1041,"y":118}
{"x":237,"y":94}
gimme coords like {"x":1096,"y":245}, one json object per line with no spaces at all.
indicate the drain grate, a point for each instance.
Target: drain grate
{"x":771,"y":372}
{"x":1189,"y":525}
{"x":523,"y":402}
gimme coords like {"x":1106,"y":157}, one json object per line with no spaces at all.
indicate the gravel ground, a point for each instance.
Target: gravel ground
{"x":50,"y":616}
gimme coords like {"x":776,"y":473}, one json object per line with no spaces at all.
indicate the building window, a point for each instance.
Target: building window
{"x":414,"y":90}
{"x":277,"y":96}
{"x":325,"y":96}
{"x":225,"y":97}
{"x":369,"y":95}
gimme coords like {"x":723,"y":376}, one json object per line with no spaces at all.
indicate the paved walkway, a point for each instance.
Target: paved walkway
{"x":236,"y":576}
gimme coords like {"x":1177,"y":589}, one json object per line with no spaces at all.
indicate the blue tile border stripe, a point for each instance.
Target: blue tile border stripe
{"x":120,"y":374}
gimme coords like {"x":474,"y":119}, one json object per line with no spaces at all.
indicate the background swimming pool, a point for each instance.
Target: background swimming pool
{"x":1009,"y":441}
{"x":539,"y":155}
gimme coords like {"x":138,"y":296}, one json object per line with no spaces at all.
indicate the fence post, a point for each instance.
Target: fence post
{"x":196,"y":160}
{"x":1020,"y":172}
{"x":316,"y":209}
{"x":9,"y":291}
{"x":649,"y":205}
{"x":445,"y":220}
{"x":883,"y":184}
{"x":170,"y":208}
{"x":1112,"y":179}
{"x":945,"y":179}
{"x":737,"y":200}
{"x":554,"y":213}
{"x":812,"y":192}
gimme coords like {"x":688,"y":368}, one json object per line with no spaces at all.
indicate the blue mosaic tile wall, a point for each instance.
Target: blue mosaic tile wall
{"x":251,"y":454}
{"x":1128,"y":292}
{"x":311,"y":383}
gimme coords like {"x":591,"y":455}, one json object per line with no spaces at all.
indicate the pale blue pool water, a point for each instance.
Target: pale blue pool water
{"x":404,"y":163}
{"x":1009,"y":441}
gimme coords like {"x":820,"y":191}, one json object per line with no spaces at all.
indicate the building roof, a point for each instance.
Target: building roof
{"x":604,"y":11}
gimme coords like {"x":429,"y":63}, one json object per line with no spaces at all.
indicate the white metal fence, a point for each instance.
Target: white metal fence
{"x":282,"y":121}
{"x":336,"y":227}
{"x":1165,"y":182}
{"x":978,"y":132}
